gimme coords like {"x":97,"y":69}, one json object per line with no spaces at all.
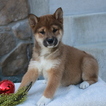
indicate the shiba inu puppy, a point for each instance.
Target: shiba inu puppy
{"x":58,"y":63}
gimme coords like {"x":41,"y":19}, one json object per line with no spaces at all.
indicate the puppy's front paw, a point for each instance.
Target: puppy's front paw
{"x":43,"y":101}
{"x":84,"y":85}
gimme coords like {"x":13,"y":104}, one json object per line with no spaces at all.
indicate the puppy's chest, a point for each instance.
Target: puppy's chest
{"x":44,"y":65}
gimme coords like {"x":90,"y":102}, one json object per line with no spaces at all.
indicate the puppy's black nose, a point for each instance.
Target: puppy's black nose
{"x":50,"y":40}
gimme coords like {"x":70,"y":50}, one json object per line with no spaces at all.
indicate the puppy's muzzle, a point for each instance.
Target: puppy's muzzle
{"x":50,"y":42}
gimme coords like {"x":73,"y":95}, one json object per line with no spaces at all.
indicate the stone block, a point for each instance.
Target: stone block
{"x":7,"y":43}
{"x":16,"y":63}
{"x":13,"y":10}
{"x":22,"y":30}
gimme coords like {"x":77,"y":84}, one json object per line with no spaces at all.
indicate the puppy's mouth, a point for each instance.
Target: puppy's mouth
{"x":50,"y":42}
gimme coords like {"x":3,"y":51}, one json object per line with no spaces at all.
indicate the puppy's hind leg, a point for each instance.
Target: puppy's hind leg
{"x":89,"y":72}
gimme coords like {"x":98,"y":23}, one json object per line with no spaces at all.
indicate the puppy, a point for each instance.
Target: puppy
{"x":58,"y":63}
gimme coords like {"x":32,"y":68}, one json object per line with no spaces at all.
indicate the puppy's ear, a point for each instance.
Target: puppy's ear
{"x":33,"y":20}
{"x":59,"y":14}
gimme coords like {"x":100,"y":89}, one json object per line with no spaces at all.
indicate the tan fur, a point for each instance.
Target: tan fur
{"x":60,"y":65}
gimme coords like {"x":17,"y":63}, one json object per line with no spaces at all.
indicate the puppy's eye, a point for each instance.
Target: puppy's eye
{"x":54,"y":30}
{"x":42,"y":32}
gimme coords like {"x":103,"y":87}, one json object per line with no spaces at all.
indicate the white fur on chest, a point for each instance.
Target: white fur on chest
{"x":44,"y":65}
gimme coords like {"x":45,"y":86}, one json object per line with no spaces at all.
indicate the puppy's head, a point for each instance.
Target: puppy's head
{"x":48,"y":29}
